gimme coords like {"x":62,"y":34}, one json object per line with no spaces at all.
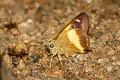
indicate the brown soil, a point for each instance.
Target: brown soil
{"x":25,"y":25}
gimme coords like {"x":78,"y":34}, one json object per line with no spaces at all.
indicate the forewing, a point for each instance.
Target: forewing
{"x":74,"y":35}
{"x":81,"y":21}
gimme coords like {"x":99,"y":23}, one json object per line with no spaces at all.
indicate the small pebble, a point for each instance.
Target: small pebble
{"x":30,"y":21}
{"x":26,"y":38}
{"x":99,"y":34}
{"x":24,"y":27}
{"x":94,"y":11}
{"x":101,"y":76}
{"x":14,"y":31}
{"x":91,"y":40}
{"x":89,"y":1}
{"x":115,"y":43}
{"x":117,"y":34}
{"x":60,"y":77}
{"x":7,"y":60}
{"x":20,"y":47}
{"x":118,"y":47}
{"x":88,"y":69}
{"x":21,"y":64}
{"x":118,"y":63}
{"x":82,"y":57}
{"x":50,"y":78}
{"x":32,"y":50}
{"x":25,"y":72}
{"x":118,"y":73}
{"x":30,"y":78}
{"x":111,"y":52}
{"x":109,"y":68}
{"x":100,"y":60}
{"x":105,"y":37}
{"x":113,"y":57}
{"x":99,"y":42}
{"x":18,"y":71}
{"x":35,"y":57}
{"x":74,"y":60}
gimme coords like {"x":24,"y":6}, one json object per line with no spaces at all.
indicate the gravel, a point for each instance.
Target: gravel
{"x":25,"y":26}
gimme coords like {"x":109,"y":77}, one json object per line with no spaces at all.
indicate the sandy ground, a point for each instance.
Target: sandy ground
{"x":25,"y":25}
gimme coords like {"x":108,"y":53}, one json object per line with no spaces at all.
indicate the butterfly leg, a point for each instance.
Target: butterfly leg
{"x":66,"y":55}
{"x":51,"y":59}
{"x":60,"y":59}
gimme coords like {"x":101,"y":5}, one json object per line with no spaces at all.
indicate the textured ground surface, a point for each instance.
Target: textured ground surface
{"x":25,"y":25}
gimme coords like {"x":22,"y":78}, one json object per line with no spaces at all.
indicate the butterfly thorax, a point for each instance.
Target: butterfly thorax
{"x":54,"y":47}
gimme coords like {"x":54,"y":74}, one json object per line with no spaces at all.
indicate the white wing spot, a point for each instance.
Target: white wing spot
{"x":78,"y":20}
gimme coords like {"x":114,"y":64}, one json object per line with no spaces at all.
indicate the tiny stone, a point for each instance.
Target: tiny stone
{"x":113,"y":57}
{"x":111,"y":52}
{"x":29,"y":78}
{"x":118,"y":47}
{"x":118,"y":73}
{"x":99,"y":34}
{"x":94,"y":10}
{"x":105,"y":37}
{"x":24,"y":27}
{"x":18,"y":71}
{"x":50,"y":78}
{"x":88,"y":69}
{"x":115,"y":43}
{"x":91,"y":40}
{"x":20,"y":46}
{"x":109,"y":68}
{"x":89,"y":1}
{"x":7,"y":60}
{"x":118,"y":63}
{"x":25,"y":72}
{"x":30,"y":21}
{"x":32,"y":49}
{"x":25,"y":38}
{"x":82,"y":57}
{"x":101,"y":76}
{"x":117,"y":34}
{"x":100,"y":60}
{"x":97,"y":27}
{"x":14,"y":31}
{"x":114,"y":63}
{"x":36,"y":79}
{"x":99,"y":42}
{"x":60,"y":77}
{"x":21,"y":64}
{"x":74,"y":60}
{"x":35,"y":57}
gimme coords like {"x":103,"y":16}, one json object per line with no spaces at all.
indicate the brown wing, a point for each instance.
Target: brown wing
{"x":74,"y":35}
{"x":80,"y":21}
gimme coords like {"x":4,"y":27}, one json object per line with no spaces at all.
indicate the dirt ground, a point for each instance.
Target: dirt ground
{"x":25,"y":25}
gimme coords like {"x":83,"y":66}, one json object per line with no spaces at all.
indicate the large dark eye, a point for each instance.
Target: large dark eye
{"x":51,"y":45}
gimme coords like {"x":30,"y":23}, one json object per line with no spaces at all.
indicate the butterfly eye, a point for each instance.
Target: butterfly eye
{"x":51,"y":45}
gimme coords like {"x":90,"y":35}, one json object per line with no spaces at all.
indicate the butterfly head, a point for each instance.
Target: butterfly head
{"x":50,"y":45}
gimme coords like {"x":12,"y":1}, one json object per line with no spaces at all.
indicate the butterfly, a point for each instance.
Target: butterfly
{"x":72,"y":39}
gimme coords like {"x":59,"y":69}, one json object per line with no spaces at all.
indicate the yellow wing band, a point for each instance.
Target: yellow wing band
{"x":74,"y":38}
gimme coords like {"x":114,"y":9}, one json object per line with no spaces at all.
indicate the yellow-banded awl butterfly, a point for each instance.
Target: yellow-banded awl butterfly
{"x":72,"y":39}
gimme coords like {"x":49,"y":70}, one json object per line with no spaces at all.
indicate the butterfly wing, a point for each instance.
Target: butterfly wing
{"x":81,"y":21}
{"x":74,"y":35}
